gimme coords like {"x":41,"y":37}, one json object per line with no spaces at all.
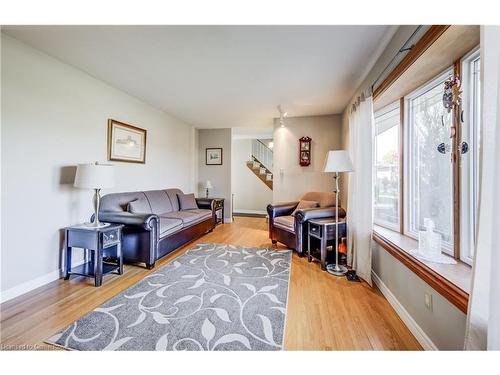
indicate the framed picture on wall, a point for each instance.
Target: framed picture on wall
{"x":126,"y":143}
{"x":213,"y":156}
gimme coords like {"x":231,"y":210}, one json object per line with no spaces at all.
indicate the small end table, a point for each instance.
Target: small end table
{"x":324,"y":230}
{"x":105,"y":249}
{"x":219,"y":206}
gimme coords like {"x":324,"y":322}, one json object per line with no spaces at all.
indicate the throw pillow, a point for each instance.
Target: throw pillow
{"x":187,"y":202}
{"x":305,"y":204}
{"x":139,"y":206}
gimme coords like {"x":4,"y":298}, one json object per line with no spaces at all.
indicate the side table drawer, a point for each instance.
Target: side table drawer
{"x":110,"y":238}
{"x":82,"y":239}
{"x":315,"y":229}
{"x":330,"y":230}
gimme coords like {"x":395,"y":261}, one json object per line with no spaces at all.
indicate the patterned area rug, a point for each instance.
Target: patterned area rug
{"x":214,"y":297}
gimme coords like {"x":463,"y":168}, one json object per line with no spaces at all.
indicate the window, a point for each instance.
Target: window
{"x":429,"y":173}
{"x":432,"y":185}
{"x":386,"y":168}
{"x":471,"y":105}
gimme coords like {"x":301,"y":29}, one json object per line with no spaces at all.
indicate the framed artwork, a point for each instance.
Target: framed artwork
{"x":126,"y":143}
{"x":213,"y":156}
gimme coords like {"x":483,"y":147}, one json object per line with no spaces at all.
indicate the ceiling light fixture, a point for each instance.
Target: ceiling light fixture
{"x":283,"y":115}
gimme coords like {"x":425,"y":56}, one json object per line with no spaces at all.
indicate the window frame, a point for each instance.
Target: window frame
{"x":470,"y":163}
{"x":381,"y":112}
{"x":447,"y":248}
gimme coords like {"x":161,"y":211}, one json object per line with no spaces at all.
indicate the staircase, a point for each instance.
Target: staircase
{"x":261,"y":162}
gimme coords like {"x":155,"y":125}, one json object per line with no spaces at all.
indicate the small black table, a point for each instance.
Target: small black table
{"x":324,"y":230}
{"x":219,"y":206}
{"x":105,"y":249}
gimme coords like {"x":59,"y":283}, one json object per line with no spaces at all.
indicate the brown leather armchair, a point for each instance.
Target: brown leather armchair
{"x":292,"y":230}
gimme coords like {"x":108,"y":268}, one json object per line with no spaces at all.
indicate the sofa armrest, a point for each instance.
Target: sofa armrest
{"x":206,"y":203}
{"x":147,"y":221}
{"x":281,"y":209}
{"x":304,"y":215}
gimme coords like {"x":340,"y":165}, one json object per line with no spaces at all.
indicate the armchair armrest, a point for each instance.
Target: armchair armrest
{"x":281,"y":209}
{"x":304,"y":215}
{"x":206,"y":203}
{"x":147,"y":221}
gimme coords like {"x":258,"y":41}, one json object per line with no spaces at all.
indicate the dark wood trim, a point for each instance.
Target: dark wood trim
{"x":401,"y":164}
{"x":434,"y":32}
{"x":456,"y":156}
{"x":457,"y":296}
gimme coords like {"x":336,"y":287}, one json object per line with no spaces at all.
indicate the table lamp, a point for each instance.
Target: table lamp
{"x":208,"y":185}
{"x":95,"y":176}
{"x":337,"y":161}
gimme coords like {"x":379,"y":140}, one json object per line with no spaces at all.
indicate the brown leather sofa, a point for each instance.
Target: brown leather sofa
{"x":292,"y":230}
{"x":161,"y":228}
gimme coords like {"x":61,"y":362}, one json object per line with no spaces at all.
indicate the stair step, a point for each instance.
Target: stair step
{"x":261,"y":172}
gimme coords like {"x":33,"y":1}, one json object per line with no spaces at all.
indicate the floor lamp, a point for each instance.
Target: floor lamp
{"x":337,"y":161}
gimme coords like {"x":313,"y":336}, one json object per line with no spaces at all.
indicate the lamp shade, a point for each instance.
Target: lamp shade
{"x":208,"y":185}
{"x":338,"y":161}
{"x":94,"y":176}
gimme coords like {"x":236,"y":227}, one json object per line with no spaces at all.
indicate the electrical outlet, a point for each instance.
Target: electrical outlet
{"x":428,"y":301}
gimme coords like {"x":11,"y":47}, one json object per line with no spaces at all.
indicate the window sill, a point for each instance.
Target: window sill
{"x":452,"y":281}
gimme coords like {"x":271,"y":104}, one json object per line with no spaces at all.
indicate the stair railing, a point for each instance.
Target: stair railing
{"x":263,"y":154}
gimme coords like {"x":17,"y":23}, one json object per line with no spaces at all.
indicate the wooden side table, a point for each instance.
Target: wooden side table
{"x":324,"y":230}
{"x":219,"y":206}
{"x":104,"y":245}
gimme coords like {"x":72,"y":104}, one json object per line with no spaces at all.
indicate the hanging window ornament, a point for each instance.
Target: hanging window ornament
{"x":443,"y":148}
{"x":452,"y":93}
{"x":464,"y":147}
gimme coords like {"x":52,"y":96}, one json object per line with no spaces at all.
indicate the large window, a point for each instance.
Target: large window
{"x":441,"y":154}
{"x":386,"y":169}
{"x":471,"y":85}
{"x":429,"y":173}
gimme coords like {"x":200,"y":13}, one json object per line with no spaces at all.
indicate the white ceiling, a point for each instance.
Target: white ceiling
{"x":221,"y":76}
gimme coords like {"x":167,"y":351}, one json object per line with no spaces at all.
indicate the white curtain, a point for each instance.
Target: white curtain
{"x":359,"y":204}
{"x":483,"y":320}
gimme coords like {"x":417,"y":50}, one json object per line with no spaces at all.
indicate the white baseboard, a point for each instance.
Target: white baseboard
{"x":30,"y":285}
{"x":228,"y":220}
{"x":405,"y":316}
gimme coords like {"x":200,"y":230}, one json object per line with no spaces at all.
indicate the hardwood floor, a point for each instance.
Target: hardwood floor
{"x":324,"y":312}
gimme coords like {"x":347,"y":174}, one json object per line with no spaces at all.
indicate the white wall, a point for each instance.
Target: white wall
{"x":251,"y":194}
{"x":444,"y":326}
{"x":219,"y":175}
{"x":295,"y":180}
{"x":55,"y":116}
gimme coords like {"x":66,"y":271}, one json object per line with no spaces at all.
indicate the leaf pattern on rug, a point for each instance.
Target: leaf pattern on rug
{"x":213,"y":297}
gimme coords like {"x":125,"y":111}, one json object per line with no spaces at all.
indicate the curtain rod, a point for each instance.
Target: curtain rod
{"x":404,"y":48}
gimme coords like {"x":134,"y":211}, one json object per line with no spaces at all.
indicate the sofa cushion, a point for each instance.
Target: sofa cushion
{"x":325,"y":199}
{"x":169,"y":225}
{"x":285,"y":222}
{"x":172,"y":195}
{"x":187,"y":202}
{"x":189,"y":217}
{"x":305,"y":204}
{"x":118,"y":202}
{"x":159,"y":201}
{"x":139,"y":206}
